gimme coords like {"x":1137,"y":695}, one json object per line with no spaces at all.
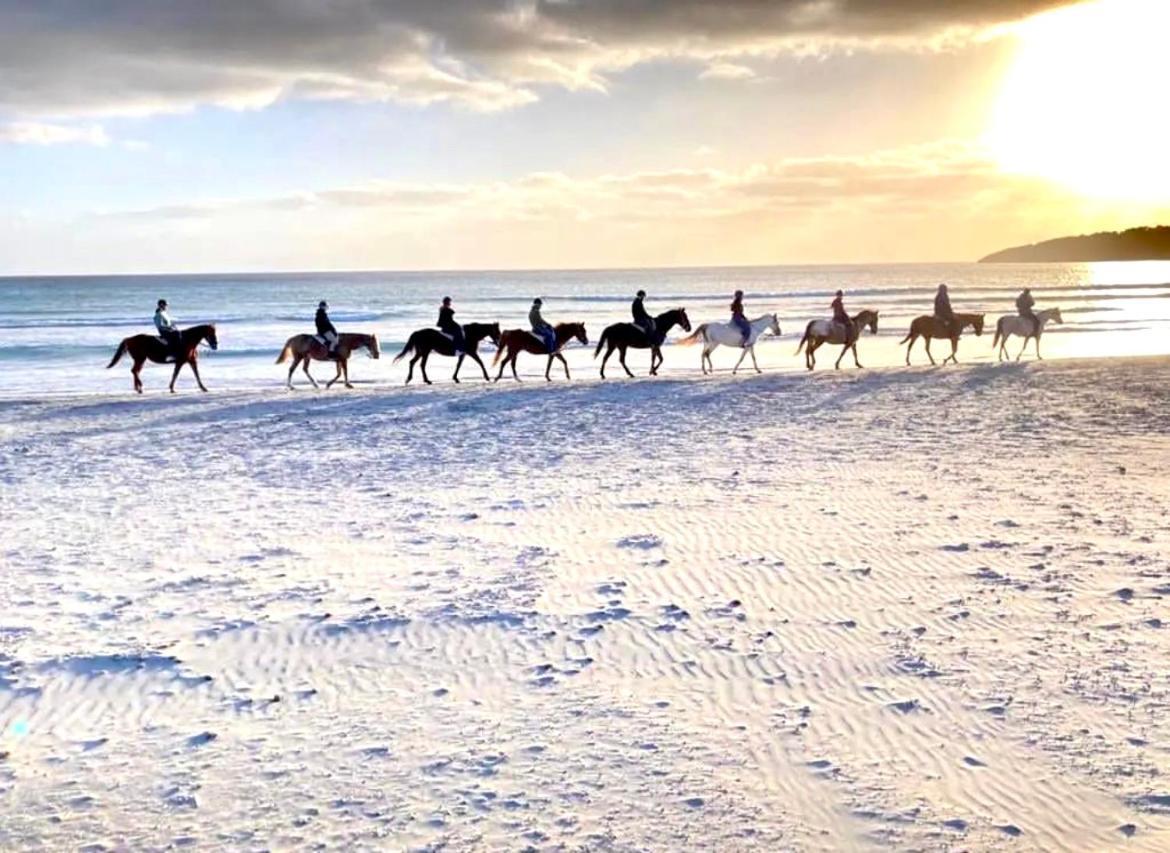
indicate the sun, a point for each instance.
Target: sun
{"x":1084,"y":103}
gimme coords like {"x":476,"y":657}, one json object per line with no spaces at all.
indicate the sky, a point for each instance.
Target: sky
{"x":148,"y":136}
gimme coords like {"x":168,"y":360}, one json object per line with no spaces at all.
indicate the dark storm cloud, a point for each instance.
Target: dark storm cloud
{"x":78,"y":56}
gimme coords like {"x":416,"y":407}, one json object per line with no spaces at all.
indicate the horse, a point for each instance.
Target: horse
{"x":515,"y":341}
{"x":620,"y":336}
{"x":819,"y":332}
{"x":305,"y":348}
{"x":1014,"y":324}
{"x":149,"y":347}
{"x":730,"y":335}
{"x":425,"y":341}
{"x":929,"y":326}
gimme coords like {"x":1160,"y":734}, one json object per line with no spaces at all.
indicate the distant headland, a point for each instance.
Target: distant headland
{"x":1135,"y":244}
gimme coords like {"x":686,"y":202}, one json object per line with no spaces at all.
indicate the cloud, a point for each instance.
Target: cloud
{"x":727,"y":71}
{"x":39,"y":133}
{"x":72,"y":57}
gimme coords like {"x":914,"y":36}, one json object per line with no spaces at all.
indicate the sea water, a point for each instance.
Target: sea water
{"x":57,"y":334}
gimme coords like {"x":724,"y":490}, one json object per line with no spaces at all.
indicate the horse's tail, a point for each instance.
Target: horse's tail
{"x":909,"y":335}
{"x":405,"y":350}
{"x":118,"y":355}
{"x":285,"y":353}
{"x":804,"y":340}
{"x":699,"y":332}
{"x":998,"y":332}
{"x":600,"y":343}
{"x":500,"y":351}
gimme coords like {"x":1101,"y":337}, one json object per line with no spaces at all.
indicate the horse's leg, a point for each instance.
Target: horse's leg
{"x":548,"y":370}
{"x":422,"y":367}
{"x":954,"y":356}
{"x":135,"y":371}
{"x":175,"y":375}
{"x":927,"y":339}
{"x":476,"y":358}
{"x":742,"y":355}
{"x":336,"y":375}
{"x":656,"y":360}
{"x":704,"y":357}
{"x":305,"y":370}
{"x":909,"y":347}
{"x":1023,"y":347}
{"x":622,"y":359}
{"x":515,"y":357}
{"x":853,"y":347}
{"x":296,"y":361}
{"x":198,"y":379}
{"x":564,"y":364}
{"x":1038,"y":349}
{"x":458,"y":364}
{"x":410,"y":367}
{"x":754,"y":363}
{"x":605,"y":358}
{"x":345,"y":370}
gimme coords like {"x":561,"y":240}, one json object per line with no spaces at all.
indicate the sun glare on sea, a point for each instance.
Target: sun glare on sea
{"x":1083,"y":103}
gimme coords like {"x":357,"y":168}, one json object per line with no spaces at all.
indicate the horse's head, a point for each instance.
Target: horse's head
{"x":493,"y":331}
{"x":577,"y":330}
{"x":372,"y":346}
{"x":209,"y":336}
{"x":774,"y":324}
{"x":684,"y":320}
{"x":977,"y":323}
{"x":868,"y":319}
{"x":1056,"y":316}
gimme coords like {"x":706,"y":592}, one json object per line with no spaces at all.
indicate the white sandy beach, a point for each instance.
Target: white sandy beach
{"x":909,"y":609}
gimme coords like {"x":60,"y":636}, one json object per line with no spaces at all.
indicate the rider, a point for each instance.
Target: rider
{"x":448,"y":326}
{"x":839,"y":316}
{"x":167,"y":329}
{"x":641,"y":318}
{"x":325,"y":327}
{"x":943,"y":311}
{"x":540,"y":328}
{"x":1024,"y":304}
{"x":738,"y":319}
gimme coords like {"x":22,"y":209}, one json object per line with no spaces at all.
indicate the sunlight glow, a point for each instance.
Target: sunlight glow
{"x":1081,"y":105}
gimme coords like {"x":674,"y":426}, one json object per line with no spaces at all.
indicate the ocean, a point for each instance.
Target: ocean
{"x":58,"y":333}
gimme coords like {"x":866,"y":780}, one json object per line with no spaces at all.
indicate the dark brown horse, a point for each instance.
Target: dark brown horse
{"x":306,"y":348}
{"x":143,"y":348}
{"x":426,"y":341}
{"x":929,"y":327}
{"x":621,"y":336}
{"x":829,"y":332}
{"x":515,"y":341}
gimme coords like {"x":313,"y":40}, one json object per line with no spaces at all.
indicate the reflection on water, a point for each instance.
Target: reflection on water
{"x":57,"y":334}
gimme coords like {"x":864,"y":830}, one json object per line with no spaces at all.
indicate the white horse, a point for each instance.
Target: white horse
{"x":1014,"y":324}
{"x":730,"y":335}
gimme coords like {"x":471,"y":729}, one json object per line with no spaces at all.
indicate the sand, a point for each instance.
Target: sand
{"x":908,"y":609}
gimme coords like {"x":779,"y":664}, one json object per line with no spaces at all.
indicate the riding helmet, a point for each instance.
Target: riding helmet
{"x":641,"y":294}
{"x":323,"y":304}
{"x":446,"y":300}
{"x":162,"y":303}
{"x":538,"y":301}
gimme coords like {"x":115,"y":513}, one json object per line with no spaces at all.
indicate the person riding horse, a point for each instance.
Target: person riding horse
{"x":642,"y":318}
{"x":738,"y":318}
{"x":540,"y":328}
{"x":1024,"y":306}
{"x":944,"y":313}
{"x":167,"y":329}
{"x":448,"y":326}
{"x":325,"y":329}
{"x":841,"y":317}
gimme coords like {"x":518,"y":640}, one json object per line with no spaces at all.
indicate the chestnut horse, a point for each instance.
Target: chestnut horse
{"x":306,"y":348}
{"x":143,"y":348}
{"x":929,"y":326}
{"x":829,"y":332}
{"x":515,"y":341}
{"x":621,"y":336}
{"x":425,"y":341}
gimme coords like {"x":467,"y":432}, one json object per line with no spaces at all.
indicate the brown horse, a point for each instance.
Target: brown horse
{"x":928,"y":327}
{"x":621,"y":336}
{"x":306,"y":348}
{"x":425,"y":341}
{"x":829,"y":332}
{"x":143,"y":348}
{"x":515,"y":341}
